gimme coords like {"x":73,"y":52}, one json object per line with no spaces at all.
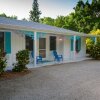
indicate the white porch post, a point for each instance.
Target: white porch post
{"x":95,"y":40}
{"x":74,"y":46}
{"x":35,"y":48}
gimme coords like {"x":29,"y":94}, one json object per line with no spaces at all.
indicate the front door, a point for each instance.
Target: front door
{"x":42,"y":47}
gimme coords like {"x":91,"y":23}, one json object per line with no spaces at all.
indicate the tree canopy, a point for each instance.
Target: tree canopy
{"x":35,"y":13}
{"x":86,"y":17}
{"x":4,"y":15}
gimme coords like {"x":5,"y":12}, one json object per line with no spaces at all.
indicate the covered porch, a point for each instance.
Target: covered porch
{"x":71,"y":47}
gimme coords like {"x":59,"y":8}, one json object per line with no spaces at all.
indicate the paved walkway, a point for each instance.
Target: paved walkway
{"x":71,"y":81}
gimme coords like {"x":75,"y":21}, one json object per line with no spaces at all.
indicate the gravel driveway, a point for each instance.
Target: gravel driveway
{"x":71,"y":81}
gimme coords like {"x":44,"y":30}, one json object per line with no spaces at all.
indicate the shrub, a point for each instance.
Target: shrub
{"x":2,"y":61}
{"x":22,"y":58}
{"x":95,"y":51}
{"x":89,"y":44}
{"x":90,"y":41}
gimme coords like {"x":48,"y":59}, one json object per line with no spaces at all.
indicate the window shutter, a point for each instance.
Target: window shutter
{"x":72,"y":43}
{"x":8,"y":42}
{"x":79,"y":43}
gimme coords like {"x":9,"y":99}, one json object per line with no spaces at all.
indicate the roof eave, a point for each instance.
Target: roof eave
{"x":70,"y":33}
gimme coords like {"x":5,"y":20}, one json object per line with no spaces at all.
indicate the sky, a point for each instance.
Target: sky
{"x":49,"y":8}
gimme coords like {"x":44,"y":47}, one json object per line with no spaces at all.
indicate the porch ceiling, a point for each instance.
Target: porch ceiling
{"x":12,"y":24}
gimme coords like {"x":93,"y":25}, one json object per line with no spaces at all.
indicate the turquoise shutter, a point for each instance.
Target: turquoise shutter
{"x":72,"y":43}
{"x":8,"y":42}
{"x":79,"y":43}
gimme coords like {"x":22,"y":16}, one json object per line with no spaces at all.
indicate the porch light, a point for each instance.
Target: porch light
{"x":60,"y":39}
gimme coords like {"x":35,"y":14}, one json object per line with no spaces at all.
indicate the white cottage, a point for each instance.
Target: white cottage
{"x":41,"y":40}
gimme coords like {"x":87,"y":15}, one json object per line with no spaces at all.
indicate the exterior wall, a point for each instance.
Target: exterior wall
{"x":67,"y":48}
{"x":17,"y":43}
{"x":59,"y":48}
{"x":63,"y":47}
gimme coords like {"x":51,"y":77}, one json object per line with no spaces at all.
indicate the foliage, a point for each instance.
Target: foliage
{"x":24,"y":19}
{"x":4,"y":15}
{"x":90,"y":41}
{"x":96,"y":32}
{"x":22,"y":58}
{"x":89,"y":44}
{"x":86,"y":17}
{"x":70,"y":22}
{"x":2,"y":61}
{"x":95,"y":51}
{"x":59,"y":21}
{"x":47,"y":20}
{"x":35,"y":13}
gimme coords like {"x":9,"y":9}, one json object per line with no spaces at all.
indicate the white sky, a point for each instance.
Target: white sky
{"x":49,"y":8}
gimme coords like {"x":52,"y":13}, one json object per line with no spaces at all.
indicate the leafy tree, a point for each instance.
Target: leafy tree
{"x":4,"y":15}
{"x":59,"y":21}
{"x":95,"y":8}
{"x":25,"y":19}
{"x":35,"y":13}
{"x":70,"y":22}
{"x":47,"y":20}
{"x":83,"y":16}
{"x":90,"y":41}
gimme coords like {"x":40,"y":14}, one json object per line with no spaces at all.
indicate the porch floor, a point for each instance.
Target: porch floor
{"x":31,"y":65}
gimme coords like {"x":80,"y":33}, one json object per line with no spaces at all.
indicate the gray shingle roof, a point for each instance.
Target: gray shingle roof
{"x":33,"y":25}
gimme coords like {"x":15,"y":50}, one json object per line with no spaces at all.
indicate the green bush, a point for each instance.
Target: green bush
{"x":95,"y":51}
{"x":2,"y":61}
{"x":22,"y":58}
{"x":89,"y":44}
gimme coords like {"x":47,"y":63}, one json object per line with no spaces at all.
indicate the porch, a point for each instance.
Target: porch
{"x":71,"y":47}
{"x":50,"y":63}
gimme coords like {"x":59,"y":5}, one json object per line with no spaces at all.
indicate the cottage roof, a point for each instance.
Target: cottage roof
{"x":8,"y":23}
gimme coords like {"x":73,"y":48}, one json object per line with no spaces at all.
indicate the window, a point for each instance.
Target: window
{"x":29,"y":43}
{"x":2,"y":40}
{"x":42,"y":43}
{"x":42,"y":47}
{"x":52,"y":43}
{"x":78,"y":44}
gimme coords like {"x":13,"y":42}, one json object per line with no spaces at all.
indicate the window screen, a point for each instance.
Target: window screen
{"x":29,"y":43}
{"x":52,"y":43}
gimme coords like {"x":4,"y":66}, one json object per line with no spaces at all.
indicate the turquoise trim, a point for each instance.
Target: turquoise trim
{"x":41,"y":35}
{"x":28,"y":33}
{"x":78,"y":37}
{"x":79,"y":44}
{"x":8,"y":42}
{"x":31,"y":34}
{"x":72,"y":40}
